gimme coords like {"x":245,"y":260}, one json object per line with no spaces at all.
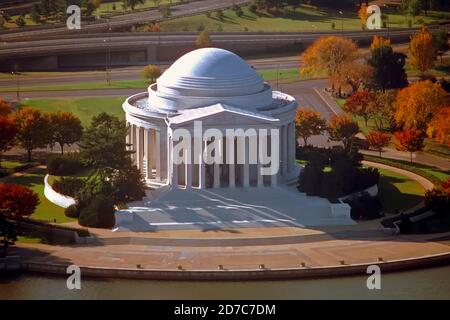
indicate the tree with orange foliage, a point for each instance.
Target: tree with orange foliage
{"x":343,"y":128}
{"x":416,"y":104}
{"x":8,"y":131}
{"x":439,"y":127}
{"x":17,"y":201}
{"x":66,"y":128}
{"x":362,"y":103}
{"x":153,"y":27}
{"x":421,"y":51}
{"x":378,"y":140}
{"x":378,"y":42}
{"x":203,"y":40}
{"x":5,"y":108}
{"x":410,"y":140}
{"x":34,"y":130}
{"x":363,"y":15}
{"x":308,"y":123}
{"x":151,"y":72}
{"x":330,"y":55}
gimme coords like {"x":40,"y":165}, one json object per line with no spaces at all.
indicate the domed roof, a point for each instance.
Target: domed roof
{"x":210,"y":72}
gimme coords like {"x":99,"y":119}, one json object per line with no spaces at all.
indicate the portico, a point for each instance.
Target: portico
{"x":220,"y":91}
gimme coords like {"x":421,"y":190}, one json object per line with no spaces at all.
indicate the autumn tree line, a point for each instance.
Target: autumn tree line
{"x":379,"y":91}
{"x":113,"y":178}
{"x":30,"y":129}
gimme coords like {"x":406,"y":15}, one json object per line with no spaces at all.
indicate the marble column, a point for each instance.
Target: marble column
{"x":128,"y":137}
{"x":188,"y":171}
{"x":216,"y":167}
{"x":232,"y":162}
{"x":259,"y":176}
{"x":246,"y":182}
{"x":133,"y":142}
{"x":293,"y":146}
{"x":174,"y":166}
{"x":283,"y":138}
{"x":147,"y":148}
{"x":157,"y":149}
{"x":201,"y":166}
{"x":139,"y":149}
{"x":274,"y":177}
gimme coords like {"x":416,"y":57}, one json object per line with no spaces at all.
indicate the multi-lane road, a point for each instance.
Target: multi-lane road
{"x":122,"y":21}
{"x":134,"y":41}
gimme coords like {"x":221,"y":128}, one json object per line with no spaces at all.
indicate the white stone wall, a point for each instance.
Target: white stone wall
{"x":55,"y":197}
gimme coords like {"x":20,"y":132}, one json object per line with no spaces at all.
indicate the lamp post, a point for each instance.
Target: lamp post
{"x":342,"y":20}
{"x":387,"y":22}
{"x":17,"y":84}
{"x":108,"y":56}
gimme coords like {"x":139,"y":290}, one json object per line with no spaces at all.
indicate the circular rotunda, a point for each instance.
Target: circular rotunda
{"x":208,"y":93}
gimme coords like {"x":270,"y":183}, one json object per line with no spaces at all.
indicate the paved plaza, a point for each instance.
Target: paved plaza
{"x":226,"y":208}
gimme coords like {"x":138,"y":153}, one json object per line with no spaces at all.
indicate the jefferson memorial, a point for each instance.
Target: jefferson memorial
{"x":220,"y":91}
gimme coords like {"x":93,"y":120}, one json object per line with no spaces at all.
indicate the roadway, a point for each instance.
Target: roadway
{"x":123,"y":21}
{"x":71,"y":44}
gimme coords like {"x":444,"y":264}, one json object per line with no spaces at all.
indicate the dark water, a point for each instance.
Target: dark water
{"x":421,"y":284}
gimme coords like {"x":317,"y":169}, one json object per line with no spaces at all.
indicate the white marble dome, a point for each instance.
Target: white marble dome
{"x":206,"y":76}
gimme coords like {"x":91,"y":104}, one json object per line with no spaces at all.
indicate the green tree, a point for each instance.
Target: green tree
{"x":67,"y":128}
{"x":132,"y":3}
{"x":151,"y":72}
{"x":388,"y":66}
{"x":440,"y":42}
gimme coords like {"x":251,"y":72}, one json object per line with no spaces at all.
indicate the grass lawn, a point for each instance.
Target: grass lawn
{"x":34,"y":179}
{"x":122,"y":84}
{"x":304,"y":18}
{"x":107,"y":8}
{"x":6,"y":164}
{"x":84,"y":108}
{"x":284,"y":76}
{"x":398,"y":192}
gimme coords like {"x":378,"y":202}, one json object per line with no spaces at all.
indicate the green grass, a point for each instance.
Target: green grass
{"x":29,"y":239}
{"x":84,"y":108}
{"x":431,"y":173}
{"x":122,"y":84}
{"x":304,"y":18}
{"x":10,"y":164}
{"x":398,"y":192}
{"x":284,"y":75}
{"x":107,"y":8}
{"x":34,"y":179}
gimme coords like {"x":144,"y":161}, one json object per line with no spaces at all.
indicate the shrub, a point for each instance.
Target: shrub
{"x":72,"y":211}
{"x":68,"y":186}
{"x":253,"y":8}
{"x":310,"y":180}
{"x":438,"y":200}
{"x":365,"y":207}
{"x":62,"y":165}
{"x":99,"y":213}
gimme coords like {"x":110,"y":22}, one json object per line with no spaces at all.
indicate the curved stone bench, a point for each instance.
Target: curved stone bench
{"x":55,"y":197}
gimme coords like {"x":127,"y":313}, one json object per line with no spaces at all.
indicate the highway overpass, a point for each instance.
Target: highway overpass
{"x":124,"y":49}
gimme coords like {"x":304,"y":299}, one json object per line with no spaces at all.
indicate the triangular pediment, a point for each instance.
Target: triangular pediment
{"x":220,"y":114}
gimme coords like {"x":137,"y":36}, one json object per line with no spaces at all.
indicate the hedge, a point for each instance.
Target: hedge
{"x":404,"y":166}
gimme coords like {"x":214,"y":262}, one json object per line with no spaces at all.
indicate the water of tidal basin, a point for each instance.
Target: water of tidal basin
{"x":421,"y":284}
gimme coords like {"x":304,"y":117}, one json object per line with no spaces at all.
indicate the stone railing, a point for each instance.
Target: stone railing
{"x":55,"y":197}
